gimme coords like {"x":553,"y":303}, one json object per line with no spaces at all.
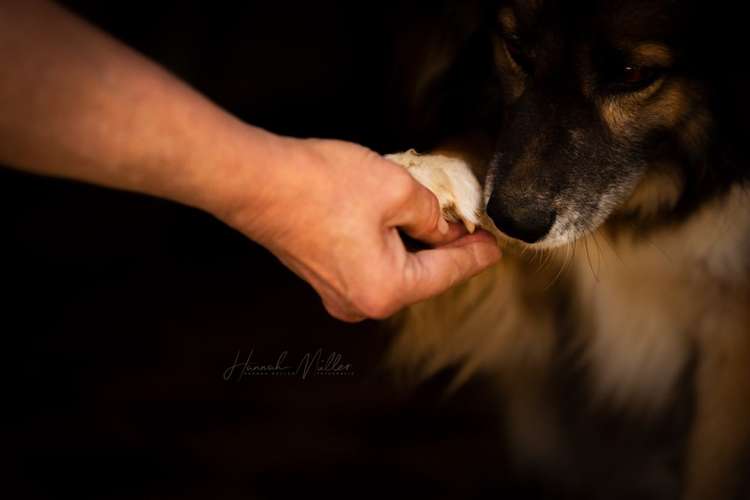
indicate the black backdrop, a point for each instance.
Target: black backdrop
{"x":120,"y":313}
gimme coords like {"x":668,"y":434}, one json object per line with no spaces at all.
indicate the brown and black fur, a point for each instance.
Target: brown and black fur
{"x":611,"y":137}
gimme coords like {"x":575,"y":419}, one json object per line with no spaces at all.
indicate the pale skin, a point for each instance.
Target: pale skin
{"x":75,"y":103}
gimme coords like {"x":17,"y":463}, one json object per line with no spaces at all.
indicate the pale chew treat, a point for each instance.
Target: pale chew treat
{"x":452,"y":182}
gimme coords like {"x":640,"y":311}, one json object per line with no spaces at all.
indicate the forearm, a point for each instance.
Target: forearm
{"x":76,"y":103}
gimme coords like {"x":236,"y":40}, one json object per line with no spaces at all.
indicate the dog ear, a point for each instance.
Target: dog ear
{"x":442,"y":68}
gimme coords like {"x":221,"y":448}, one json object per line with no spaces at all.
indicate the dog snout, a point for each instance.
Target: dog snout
{"x":523,"y":219}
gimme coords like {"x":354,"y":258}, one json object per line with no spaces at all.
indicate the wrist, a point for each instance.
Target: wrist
{"x":241,"y":176}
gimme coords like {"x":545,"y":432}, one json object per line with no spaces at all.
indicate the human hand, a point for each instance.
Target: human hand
{"x":85,"y":107}
{"x":331,"y":212}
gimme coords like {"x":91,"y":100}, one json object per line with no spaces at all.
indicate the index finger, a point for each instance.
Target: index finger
{"x":430,"y":272}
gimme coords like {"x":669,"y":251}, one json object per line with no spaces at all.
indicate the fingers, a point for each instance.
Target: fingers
{"x":425,"y":274}
{"x":421,"y":218}
{"x":430,"y":272}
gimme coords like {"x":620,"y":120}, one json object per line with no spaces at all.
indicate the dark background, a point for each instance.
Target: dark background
{"x":120,"y":312}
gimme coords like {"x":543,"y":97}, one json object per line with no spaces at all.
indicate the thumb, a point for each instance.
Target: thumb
{"x":421,"y":218}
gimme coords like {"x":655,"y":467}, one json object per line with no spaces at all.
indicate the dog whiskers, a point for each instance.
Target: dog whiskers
{"x":595,"y":234}
{"x":566,"y":260}
{"x":588,"y":259}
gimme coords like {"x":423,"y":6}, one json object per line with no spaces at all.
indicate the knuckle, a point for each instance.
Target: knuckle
{"x":333,"y":310}
{"x":342,"y":314}
{"x":413,"y":275}
{"x":403,"y":187}
{"x":370,"y":156}
{"x":376,"y":305}
{"x":456,"y":271}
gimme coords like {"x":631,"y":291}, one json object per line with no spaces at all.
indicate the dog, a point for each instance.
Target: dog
{"x":609,"y":139}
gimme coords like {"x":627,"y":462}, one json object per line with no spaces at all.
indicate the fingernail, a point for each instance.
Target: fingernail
{"x":443,"y":226}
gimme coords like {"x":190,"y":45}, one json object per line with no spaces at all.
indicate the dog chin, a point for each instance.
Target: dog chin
{"x":548,"y":243}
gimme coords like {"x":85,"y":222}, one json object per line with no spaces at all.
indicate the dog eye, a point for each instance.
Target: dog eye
{"x":515,"y":50}
{"x":637,"y":75}
{"x":631,"y":78}
{"x":513,"y":43}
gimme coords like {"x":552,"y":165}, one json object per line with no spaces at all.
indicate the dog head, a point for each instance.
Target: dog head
{"x":606,"y":113}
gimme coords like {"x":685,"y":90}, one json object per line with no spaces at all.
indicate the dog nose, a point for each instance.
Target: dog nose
{"x":520,"y":220}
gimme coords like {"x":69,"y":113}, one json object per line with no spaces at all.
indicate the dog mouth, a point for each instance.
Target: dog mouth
{"x":541,"y":220}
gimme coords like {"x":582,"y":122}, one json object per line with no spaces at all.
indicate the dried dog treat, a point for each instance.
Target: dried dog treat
{"x":452,"y":182}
